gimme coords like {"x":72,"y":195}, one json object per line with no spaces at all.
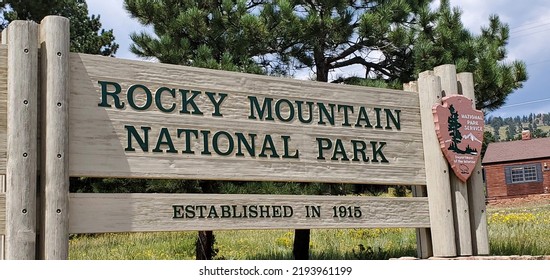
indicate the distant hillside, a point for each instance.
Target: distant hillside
{"x":506,"y":129}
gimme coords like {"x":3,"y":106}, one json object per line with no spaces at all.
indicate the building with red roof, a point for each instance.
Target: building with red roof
{"x":517,"y":168}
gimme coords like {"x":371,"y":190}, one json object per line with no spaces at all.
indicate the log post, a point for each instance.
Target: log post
{"x":22,"y":150}
{"x":54,"y":40}
{"x":476,"y":196}
{"x":3,"y":41}
{"x":424,"y":248}
{"x":449,"y":87}
{"x":437,"y":171}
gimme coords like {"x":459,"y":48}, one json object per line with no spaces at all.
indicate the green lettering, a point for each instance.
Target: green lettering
{"x":324,"y":112}
{"x":188,"y":132}
{"x":185,"y":101}
{"x":278,"y":110}
{"x":377,"y":110}
{"x":216,"y":103}
{"x":215,"y":143}
{"x":347,"y":109}
{"x":114,"y":94}
{"x":339,"y":150}
{"x":142,"y":142}
{"x":148,"y":97}
{"x":286,"y":139}
{"x":327,"y":146}
{"x":396,"y":121}
{"x":164,"y":139}
{"x":250,"y":147}
{"x":178,"y":211}
{"x":205,"y":134}
{"x":361,"y":150}
{"x":255,"y":106}
{"x":158,"y":99}
{"x":377,"y":151}
{"x":363,"y":117}
{"x":300,"y":113}
{"x":268,"y":145}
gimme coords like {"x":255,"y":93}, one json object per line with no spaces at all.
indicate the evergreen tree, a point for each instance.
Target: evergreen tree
{"x":454,"y":132}
{"x":86,"y":33}
{"x":488,"y":137}
{"x":443,"y":40}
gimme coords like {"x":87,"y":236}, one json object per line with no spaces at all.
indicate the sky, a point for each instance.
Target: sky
{"x":529,"y":40}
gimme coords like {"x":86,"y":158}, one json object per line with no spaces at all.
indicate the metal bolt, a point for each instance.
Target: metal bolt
{"x":58,"y":155}
{"x":58,"y":104}
{"x":24,"y":211}
{"x":58,"y":211}
{"x":25,"y":154}
{"x":26,"y":50}
{"x":58,"y":53}
{"x":25,"y":102}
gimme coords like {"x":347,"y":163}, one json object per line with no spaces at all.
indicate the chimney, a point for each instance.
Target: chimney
{"x":526,"y":135}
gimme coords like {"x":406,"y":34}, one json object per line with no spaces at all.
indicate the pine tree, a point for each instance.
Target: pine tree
{"x":443,"y":40}
{"x":87,"y":36}
{"x":454,"y":132}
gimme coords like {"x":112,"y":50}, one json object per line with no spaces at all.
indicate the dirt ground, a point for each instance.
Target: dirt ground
{"x":525,"y":201}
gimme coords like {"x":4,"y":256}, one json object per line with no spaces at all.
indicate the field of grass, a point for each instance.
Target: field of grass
{"x":512,"y":231}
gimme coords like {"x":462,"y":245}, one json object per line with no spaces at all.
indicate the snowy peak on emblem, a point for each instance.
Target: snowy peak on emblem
{"x":471,"y":137}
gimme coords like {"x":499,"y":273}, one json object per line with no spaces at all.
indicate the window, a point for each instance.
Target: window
{"x":523,"y":173}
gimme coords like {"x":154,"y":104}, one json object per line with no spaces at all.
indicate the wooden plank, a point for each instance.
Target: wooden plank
{"x":22,"y":155}
{"x":54,"y":39}
{"x":3,"y":128}
{"x":437,"y":175}
{"x":3,"y":106}
{"x":478,"y":213}
{"x":95,"y":213}
{"x":424,"y":248}
{"x":2,"y":215}
{"x":449,"y":86}
{"x":99,"y":136}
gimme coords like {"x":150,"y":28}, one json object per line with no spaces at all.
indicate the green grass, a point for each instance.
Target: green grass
{"x":337,"y":244}
{"x":520,"y":230}
{"x":512,"y":231}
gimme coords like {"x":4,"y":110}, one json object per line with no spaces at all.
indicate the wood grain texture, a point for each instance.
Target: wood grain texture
{"x":99,"y":138}
{"x":3,"y":106}
{"x":449,"y":86}
{"x":94,"y":213}
{"x":55,"y":76}
{"x":478,"y":213}
{"x":2,"y":215}
{"x":3,"y":128}
{"x":22,"y":150}
{"x":437,"y":171}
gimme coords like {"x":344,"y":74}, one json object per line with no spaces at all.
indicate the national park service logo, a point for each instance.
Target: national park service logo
{"x":460,"y":131}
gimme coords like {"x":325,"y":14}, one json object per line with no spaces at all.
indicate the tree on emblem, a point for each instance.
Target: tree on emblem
{"x":454,"y":132}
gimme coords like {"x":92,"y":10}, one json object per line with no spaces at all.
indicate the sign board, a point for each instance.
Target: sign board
{"x":135,"y":119}
{"x":176,"y":212}
{"x":149,"y":120}
{"x":460,"y":132}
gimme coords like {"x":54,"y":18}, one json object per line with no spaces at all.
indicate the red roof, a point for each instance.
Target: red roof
{"x":517,"y":150}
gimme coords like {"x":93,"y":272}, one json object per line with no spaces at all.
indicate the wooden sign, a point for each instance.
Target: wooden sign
{"x":136,"y":119}
{"x":460,"y":131}
{"x":96,"y":213}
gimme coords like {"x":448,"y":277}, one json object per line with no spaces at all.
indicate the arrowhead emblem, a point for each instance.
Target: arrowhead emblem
{"x":459,"y":129}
